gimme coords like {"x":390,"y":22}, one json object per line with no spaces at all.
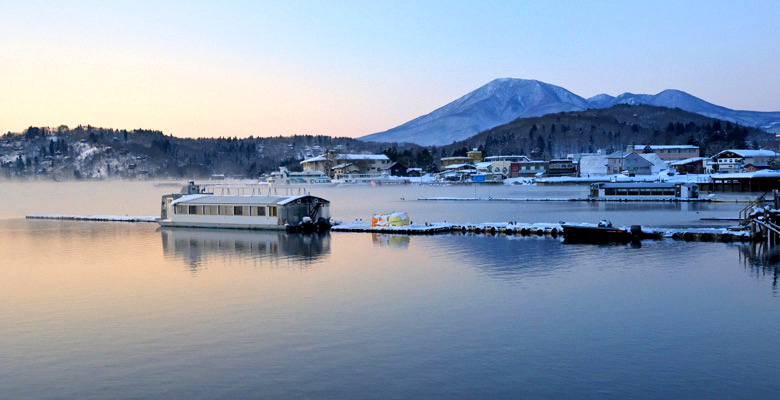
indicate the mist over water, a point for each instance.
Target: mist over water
{"x":118,"y":310}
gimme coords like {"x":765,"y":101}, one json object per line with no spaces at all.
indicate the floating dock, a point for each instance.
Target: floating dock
{"x":545,"y":229}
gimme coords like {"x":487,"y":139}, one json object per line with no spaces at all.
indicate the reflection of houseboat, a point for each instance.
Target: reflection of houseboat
{"x":285,"y":177}
{"x":196,"y":209}
{"x":198,"y":245}
{"x":641,"y":190}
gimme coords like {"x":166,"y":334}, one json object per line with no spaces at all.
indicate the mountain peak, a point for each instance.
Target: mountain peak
{"x":497,"y":102}
{"x":503,"y":100}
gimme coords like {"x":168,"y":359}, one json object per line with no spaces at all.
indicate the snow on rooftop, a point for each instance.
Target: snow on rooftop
{"x":665,"y":146}
{"x":315,"y":159}
{"x":688,"y":160}
{"x":362,"y":157}
{"x":456,"y":166}
{"x":749,"y":153}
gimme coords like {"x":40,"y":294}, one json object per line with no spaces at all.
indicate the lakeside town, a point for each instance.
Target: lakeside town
{"x":46,"y":155}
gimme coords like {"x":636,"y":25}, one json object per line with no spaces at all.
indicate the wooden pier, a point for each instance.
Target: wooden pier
{"x":763,"y":218}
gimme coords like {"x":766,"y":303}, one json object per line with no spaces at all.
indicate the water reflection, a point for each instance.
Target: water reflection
{"x":197,"y":247}
{"x":761,"y":260}
{"x":382,"y":239}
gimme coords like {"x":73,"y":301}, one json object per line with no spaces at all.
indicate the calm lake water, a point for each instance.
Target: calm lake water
{"x":118,"y":310}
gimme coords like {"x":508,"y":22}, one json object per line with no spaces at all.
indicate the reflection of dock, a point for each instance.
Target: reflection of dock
{"x":197,"y":245}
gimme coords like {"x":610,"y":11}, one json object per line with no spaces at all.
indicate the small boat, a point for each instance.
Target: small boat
{"x":308,"y":177}
{"x":604,"y":232}
{"x":391,"y":219}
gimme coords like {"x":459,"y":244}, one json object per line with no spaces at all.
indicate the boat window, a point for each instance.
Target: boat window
{"x":225,"y":210}
{"x":272,"y":211}
{"x":210,"y":210}
{"x":237,"y":210}
{"x":193,"y":210}
{"x":261,"y":211}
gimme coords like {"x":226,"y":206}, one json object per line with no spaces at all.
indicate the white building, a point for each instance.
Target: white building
{"x":733,"y":160}
{"x":359,"y":163}
{"x":666,"y":152}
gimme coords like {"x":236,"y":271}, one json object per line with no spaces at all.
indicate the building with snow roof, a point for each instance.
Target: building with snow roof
{"x":658,"y":163}
{"x":360,"y":163}
{"x":694,"y":165}
{"x":666,"y":152}
{"x":593,"y":165}
{"x":733,"y":160}
{"x":619,"y":162}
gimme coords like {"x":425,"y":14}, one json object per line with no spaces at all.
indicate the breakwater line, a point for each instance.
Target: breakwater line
{"x":97,"y":218}
{"x":565,"y":199}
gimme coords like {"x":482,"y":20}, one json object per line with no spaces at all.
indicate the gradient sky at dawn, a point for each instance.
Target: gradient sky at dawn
{"x":208,"y":69}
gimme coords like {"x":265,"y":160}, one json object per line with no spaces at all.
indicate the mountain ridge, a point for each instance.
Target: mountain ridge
{"x":503,"y":100}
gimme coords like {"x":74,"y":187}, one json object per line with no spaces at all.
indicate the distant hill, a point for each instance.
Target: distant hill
{"x":503,"y":100}
{"x":559,"y":134}
{"x":88,"y":152}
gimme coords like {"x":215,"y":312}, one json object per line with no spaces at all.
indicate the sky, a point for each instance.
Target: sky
{"x":352,"y":68}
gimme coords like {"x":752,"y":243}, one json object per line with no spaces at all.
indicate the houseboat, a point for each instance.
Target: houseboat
{"x":642,"y":190}
{"x":194,"y":208}
{"x":307,"y":177}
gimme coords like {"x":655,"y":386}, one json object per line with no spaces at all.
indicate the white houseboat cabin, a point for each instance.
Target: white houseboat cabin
{"x":196,"y":209}
{"x":640,"y":190}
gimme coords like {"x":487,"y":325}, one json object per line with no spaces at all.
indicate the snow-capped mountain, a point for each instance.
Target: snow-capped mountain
{"x":496,"y":103}
{"x":506,"y":99}
{"x":768,"y":121}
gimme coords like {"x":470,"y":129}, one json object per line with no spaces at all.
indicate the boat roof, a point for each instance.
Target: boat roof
{"x":641,"y":185}
{"x":196,"y":199}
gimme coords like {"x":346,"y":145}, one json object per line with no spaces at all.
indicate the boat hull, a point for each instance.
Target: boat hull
{"x":596,"y":234}
{"x":218,"y":225}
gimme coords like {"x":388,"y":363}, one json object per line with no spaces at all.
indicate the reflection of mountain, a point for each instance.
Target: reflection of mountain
{"x":198,"y":246}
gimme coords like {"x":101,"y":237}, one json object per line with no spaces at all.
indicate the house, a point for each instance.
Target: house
{"x":695,"y":165}
{"x":395,"y":169}
{"x":475,"y":155}
{"x":457,"y":172}
{"x":593,"y":165}
{"x":528,"y":169}
{"x":501,"y":164}
{"x":666,"y":152}
{"x":658,"y":164}
{"x":344,"y":169}
{"x":447,"y":161}
{"x":753,"y":167}
{"x":363,"y":163}
{"x":733,"y":160}
{"x":483,"y":167}
{"x":561,"y":167}
{"x":414,"y":172}
{"x":619,"y":162}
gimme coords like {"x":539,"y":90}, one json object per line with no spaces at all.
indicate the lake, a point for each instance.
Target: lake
{"x":121,"y":310}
